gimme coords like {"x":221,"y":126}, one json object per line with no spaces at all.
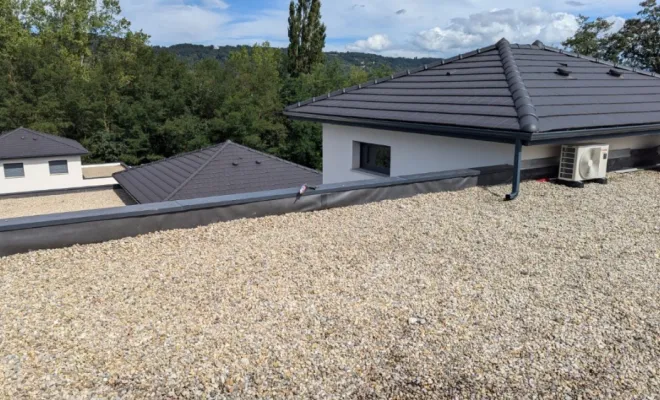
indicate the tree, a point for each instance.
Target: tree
{"x":591,"y":38}
{"x":74,"y":68}
{"x":306,"y":36}
{"x":638,"y":42}
{"x":251,"y":111}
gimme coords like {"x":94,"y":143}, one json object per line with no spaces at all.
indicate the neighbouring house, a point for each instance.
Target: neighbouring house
{"x":503,"y":104}
{"x":32,"y":161}
{"x":224,"y":169}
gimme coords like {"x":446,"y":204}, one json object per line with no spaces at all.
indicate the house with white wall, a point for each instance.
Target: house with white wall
{"x":505,"y":104}
{"x":32,"y":161}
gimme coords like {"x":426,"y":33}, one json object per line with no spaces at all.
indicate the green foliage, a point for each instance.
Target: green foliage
{"x":306,"y":36}
{"x":193,"y":54}
{"x":75,"y":68}
{"x":251,"y":111}
{"x":591,"y":37}
{"x":637,"y":44}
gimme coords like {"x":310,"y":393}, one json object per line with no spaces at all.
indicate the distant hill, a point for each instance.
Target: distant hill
{"x":192,"y":53}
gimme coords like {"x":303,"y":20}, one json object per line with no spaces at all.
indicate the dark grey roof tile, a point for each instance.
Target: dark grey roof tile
{"x":476,"y":91}
{"x":587,"y":100}
{"x":503,"y":92}
{"x":227,"y":168}
{"x":424,"y":107}
{"x":26,"y":143}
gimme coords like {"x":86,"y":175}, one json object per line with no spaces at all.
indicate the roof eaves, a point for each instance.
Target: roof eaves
{"x":461,"y":132}
{"x":46,"y":155}
{"x":595,"y":133}
{"x":525,"y":109}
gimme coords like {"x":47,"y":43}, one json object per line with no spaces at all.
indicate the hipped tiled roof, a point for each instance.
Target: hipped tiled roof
{"x":26,"y":143}
{"x":224,"y":169}
{"x":506,"y":90}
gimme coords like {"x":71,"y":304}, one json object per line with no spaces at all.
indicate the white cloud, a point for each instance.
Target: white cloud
{"x":422,"y":30}
{"x":523,"y":26}
{"x":219,"y":4}
{"x":174,"y":21}
{"x":617,"y":24}
{"x":375,"y":43}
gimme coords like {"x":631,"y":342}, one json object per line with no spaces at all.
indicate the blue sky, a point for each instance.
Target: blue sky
{"x":389,"y":27}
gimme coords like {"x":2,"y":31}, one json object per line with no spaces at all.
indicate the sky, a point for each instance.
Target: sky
{"x":405,"y":28}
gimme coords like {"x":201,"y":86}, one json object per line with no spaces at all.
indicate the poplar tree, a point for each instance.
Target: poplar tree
{"x":306,"y":36}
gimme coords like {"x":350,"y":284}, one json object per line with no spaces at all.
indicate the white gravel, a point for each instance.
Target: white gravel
{"x":24,"y":206}
{"x":449,"y":295}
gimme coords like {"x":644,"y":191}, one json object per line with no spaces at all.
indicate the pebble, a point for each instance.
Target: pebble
{"x":446,"y":295}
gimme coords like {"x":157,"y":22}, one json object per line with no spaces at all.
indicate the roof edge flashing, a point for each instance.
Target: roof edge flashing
{"x":527,"y":118}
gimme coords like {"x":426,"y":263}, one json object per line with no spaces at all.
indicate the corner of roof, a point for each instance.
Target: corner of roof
{"x":538,"y":44}
{"x":528,"y":121}
{"x":221,"y":147}
{"x":168,"y":158}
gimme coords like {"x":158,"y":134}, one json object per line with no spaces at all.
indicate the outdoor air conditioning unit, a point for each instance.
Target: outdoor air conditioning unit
{"x":581,"y":163}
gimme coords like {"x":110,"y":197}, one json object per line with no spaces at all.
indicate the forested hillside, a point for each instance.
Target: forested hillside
{"x":77,"y":69}
{"x":193,"y":53}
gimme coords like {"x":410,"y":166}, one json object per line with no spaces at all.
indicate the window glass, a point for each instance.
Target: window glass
{"x":376,"y":158}
{"x":14,"y":170}
{"x":58,"y":167}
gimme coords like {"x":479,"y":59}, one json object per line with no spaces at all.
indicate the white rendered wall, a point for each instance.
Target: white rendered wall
{"x":38,"y":178}
{"x":411,"y":153}
{"x":417,"y":153}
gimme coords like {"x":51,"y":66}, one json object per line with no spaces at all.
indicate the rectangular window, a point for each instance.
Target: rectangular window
{"x":58,"y":167}
{"x":14,"y":170}
{"x":375,"y":157}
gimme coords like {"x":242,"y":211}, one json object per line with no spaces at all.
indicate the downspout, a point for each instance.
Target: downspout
{"x":527,"y":119}
{"x":517,"y":161}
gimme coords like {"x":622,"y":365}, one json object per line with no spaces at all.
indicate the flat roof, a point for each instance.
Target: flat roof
{"x":453,"y":294}
{"x":501,"y":92}
{"x":24,"y":205}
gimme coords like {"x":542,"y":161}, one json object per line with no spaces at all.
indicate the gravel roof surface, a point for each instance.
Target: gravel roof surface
{"x":460,"y":294}
{"x":23,"y":206}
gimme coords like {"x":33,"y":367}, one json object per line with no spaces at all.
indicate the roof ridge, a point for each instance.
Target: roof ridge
{"x":170,"y":158}
{"x":194,"y":174}
{"x":441,"y":61}
{"x":599,"y":61}
{"x":275,"y":157}
{"x":525,"y":109}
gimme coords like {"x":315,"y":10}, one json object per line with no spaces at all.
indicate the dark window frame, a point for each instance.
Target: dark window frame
{"x":376,"y":158}
{"x":14,"y":167}
{"x":58,"y":163}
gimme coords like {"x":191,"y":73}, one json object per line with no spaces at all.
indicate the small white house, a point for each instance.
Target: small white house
{"x":35,"y":162}
{"x":502,"y":104}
